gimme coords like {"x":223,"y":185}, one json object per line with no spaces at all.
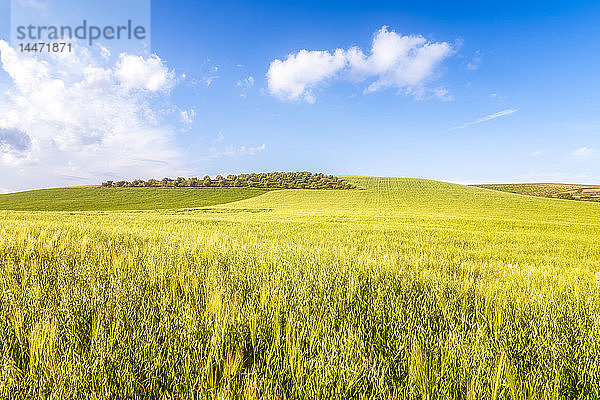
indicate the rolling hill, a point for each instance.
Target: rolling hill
{"x":93,"y":198}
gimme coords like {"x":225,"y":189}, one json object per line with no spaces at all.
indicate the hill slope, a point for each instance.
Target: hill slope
{"x":99,"y":199}
{"x":403,"y":197}
{"x":551,"y":190}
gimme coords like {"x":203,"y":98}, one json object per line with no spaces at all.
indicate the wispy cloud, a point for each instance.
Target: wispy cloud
{"x":486,"y":118}
{"x":220,"y":137}
{"x":187,"y":116}
{"x":245,"y":84}
{"x":232,"y":151}
{"x":584,"y":153}
{"x":36,"y":4}
{"x":536,"y":153}
{"x":475,"y":62}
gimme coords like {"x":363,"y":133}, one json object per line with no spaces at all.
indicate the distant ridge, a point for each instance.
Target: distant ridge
{"x":563,"y":191}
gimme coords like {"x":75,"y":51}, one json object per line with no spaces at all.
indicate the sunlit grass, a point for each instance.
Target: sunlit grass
{"x":404,"y":289}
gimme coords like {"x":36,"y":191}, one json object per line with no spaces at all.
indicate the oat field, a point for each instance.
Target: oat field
{"x":401,"y":289}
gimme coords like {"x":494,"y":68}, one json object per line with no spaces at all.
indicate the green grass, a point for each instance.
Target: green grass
{"x":405,"y":289}
{"x":94,"y":198}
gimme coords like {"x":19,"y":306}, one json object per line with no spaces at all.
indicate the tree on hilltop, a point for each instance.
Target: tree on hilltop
{"x":272,"y":180}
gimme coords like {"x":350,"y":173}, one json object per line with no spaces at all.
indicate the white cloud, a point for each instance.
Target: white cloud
{"x":398,"y":61}
{"x":14,"y":145}
{"x":246,"y":83}
{"x":442,"y":93}
{"x":187,"y":116}
{"x":220,"y":137}
{"x":35,"y":4}
{"x":209,"y":79}
{"x":395,"y":61}
{"x":232,"y":151}
{"x":487,"y":118}
{"x":475,"y":62}
{"x":66,"y":118}
{"x":136,"y":72}
{"x":584,"y":153}
{"x":104,"y":52}
{"x":293,"y":78}
{"x":536,"y":153}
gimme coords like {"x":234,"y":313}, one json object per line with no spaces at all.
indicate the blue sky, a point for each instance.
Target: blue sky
{"x":511,"y":97}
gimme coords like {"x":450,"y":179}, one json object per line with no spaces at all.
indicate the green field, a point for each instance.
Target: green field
{"x":95,"y":198}
{"x":551,"y":190}
{"x":405,"y":289}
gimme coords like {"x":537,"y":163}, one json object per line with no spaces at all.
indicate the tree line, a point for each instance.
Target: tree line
{"x":271,"y":180}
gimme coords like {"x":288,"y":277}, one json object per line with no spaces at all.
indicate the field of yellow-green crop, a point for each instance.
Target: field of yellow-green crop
{"x":403,"y":288}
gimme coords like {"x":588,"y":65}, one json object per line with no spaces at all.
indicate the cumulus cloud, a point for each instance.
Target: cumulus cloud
{"x":397,"y":61}
{"x":137,"y":72}
{"x":14,"y":144}
{"x":299,"y":73}
{"x":104,"y":52}
{"x":13,"y":140}
{"x":68,"y":117}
